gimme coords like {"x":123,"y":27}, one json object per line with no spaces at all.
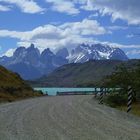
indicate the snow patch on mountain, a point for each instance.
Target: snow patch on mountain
{"x":85,"y":52}
{"x":104,"y":55}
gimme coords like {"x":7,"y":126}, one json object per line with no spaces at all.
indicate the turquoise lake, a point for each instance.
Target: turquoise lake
{"x":53,"y":91}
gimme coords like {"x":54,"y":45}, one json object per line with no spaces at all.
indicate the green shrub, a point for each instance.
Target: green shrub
{"x":116,"y":99}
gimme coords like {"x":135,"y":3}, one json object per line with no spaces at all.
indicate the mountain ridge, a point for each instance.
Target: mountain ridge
{"x":85,"y":52}
{"x":30,"y":63}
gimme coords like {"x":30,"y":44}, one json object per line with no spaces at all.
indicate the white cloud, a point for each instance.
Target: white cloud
{"x":65,"y":35}
{"x":4,"y":8}
{"x":133,"y":52}
{"x":54,"y":36}
{"x":133,"y":35}
{"x":130,"y":36}
{"x":123,"y":46}
{"x":63,"y":6}
{"x":86,"y":27}
{"x":26,"y":6}
{"x":117,"y":27}
{"x":93,"y":15}
{"x":118,"y":9}
{"x":87,"y":5}
{"x":9,"y":52}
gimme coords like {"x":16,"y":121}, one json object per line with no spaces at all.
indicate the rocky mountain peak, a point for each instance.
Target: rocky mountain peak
{"x":19,"y":51}
{"x":63,"y":52}
{"x":32,"y":45}
{"x":47,"y":52}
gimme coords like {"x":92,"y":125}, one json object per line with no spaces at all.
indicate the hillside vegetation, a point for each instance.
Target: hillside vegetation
{"x":122,"y":78}
{"x":87,"y":74}
{"x":12,"y":87}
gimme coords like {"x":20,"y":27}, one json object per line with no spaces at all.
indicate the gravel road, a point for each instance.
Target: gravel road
{"x":65,"y":118}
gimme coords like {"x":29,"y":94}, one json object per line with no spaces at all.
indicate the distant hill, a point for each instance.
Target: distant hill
{"x":81,"y":74}
{"x":12,"y":87}
{"x":30,"y":63}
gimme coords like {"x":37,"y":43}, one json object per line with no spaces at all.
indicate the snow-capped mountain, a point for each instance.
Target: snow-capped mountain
{"x":31,"y":64}
{"x":85,"y":52}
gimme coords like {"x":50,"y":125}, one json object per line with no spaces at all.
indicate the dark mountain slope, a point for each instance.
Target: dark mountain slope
{"x":81,"y":74}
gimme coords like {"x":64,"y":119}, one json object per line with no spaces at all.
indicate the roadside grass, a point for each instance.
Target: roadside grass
{"x":6,"y":98}
{"x":135,"y":108}
{"x":19,"y":95}
{"x":120,"y":102}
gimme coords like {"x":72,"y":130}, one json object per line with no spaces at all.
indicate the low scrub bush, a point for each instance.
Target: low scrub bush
{"x":116,"y":99}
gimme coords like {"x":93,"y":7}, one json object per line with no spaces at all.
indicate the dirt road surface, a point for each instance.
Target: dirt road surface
{"x":66,"y":118}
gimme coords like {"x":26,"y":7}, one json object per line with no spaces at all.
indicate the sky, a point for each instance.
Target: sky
{"x":66,"y":23}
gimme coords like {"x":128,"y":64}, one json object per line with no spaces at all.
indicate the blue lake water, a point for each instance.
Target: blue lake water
{"x":53,"y":91}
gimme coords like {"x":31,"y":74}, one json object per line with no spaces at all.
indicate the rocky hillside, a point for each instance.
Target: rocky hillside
{"x":12,"y":87}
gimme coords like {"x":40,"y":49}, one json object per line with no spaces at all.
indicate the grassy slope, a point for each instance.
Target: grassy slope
{"x":135,"y":108}
{"x":12,"y":87}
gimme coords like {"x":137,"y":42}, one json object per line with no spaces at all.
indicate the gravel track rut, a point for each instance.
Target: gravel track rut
{"x":66,"y":118}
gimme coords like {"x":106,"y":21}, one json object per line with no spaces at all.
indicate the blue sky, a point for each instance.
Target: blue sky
{"x":66,"y":23}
